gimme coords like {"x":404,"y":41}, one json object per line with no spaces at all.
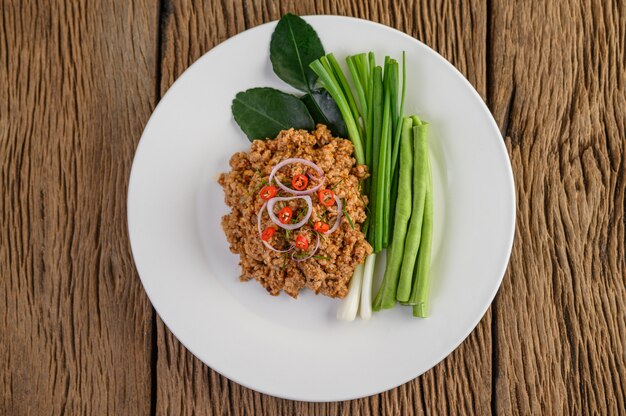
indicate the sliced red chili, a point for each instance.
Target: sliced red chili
{"x":321,"y":227}
{"x":268,"y":192}
{"x":285,"y":214}
{"x":268,"y":233}
{"x":326,"y":197}
{"x":299,"y":182}
{"x":302,"y":242}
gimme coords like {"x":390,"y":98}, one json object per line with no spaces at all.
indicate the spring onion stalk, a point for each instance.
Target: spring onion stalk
{"x":364,"y":75}
{"x":345,"y":88}
{"x":395,"y":148}
{"x":370,"y":118}
{"x":393,"y":198}
{"x":421,"y":285}
{"x":357,"y":64}
{"x":392,"y":87}
{"x":343,"y":83}
{"x":377,"y":130}
{"x":387,"y":190}
{"x":331,"y":85}
{"x":362,"y":69}
{"x":381,"y":193}
{"x":393,"y":91}
{"x":360,"y":89}
{"x":386,"y":296}
{"x":369,"y":137}
{"x":413,"y":236}
{"x":350,"y":304}
{"x":381,"y":179}
{"x":365,"y":309}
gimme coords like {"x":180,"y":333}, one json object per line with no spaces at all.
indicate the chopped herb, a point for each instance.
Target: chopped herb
{"x":346,"y":214}
{"x":284,"y":261}
{"x":256,"y":187}
{"x":287,"y":234}
{"x":367,"y":207}
{"x":366,"y":227}
{"x":299,"y":215}
{"x":323,"y":215}
{"x":337,"y":184}
{"x":321,"y":257}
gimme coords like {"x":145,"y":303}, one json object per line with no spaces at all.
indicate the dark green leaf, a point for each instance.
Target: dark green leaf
{"x":263,"y":112}
{"x":293,"y":47}
{"x":324,"y":110}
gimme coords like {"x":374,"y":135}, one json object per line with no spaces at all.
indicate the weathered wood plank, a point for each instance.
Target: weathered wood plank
{"x":462,"y":383}
{"x":77,"y":84}
{"x":558,"y":88}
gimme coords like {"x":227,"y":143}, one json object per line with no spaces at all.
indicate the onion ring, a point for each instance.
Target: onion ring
{"x":268,"y":245}
{"x":304,"y":162}
{"x":274,"y":218}
{"x":339,"y":214}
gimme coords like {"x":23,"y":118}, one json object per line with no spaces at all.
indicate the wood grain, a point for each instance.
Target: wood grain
{"x":558,"y":91}
{"x":462,"y":383}
{"x":77,"y":82}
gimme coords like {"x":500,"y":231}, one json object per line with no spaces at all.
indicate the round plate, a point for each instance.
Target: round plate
{"x":296,"y":349}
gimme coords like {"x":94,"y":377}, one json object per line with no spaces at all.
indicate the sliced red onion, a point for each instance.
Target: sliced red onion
{"x":304,"y":162}
{"x":274,"y":218}
{"x":339,"y":214}
{"x":311,"y":254}
{"x":268,"y":245}
{"x":315,"y":178}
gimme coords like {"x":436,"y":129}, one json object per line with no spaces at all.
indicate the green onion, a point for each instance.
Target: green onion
{"x":369,"y":127}
{"x":284,"y":261}
{"x":324,"y":72}
{"x":345,"y":213}
{"x":343,"y":82}
{"x":365,"y":310}
{"x":395,"y":148}
{"x":350,"y":304}
{"x":358,"y":85}
{"x":392,"y":88}
{"x":377,"y":124}
{"x":336,"y":185}
{"x":397,"y":131}
{"x":381,"y":175}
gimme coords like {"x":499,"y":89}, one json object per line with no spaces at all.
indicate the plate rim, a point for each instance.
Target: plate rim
{"x":509,"y":180}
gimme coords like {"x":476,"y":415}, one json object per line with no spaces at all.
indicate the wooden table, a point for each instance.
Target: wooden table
{"x":78,"y":82}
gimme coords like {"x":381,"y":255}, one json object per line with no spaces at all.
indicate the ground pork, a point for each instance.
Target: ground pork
{"x":330,"y":270}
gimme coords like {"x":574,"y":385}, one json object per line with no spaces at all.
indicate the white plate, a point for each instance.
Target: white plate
{"x":296,"y":349}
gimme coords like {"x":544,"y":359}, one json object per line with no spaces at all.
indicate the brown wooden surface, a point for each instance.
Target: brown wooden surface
{"x":78,"y":81}
{"x":77,"y":86}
